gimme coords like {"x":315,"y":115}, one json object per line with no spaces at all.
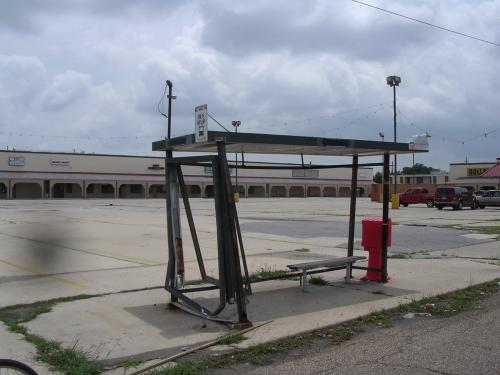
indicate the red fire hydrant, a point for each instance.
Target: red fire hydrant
{"x":372,"y":242}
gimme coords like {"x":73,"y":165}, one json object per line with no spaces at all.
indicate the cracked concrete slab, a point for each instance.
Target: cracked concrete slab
{"x":108,"y":246}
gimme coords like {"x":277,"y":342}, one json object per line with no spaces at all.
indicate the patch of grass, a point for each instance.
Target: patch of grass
{"x":398,"y":256}
{"x":455,"y":302}
{"x":302,"y":250}
{"x":493,"y":229}
{"x":379,"y":318}
{"x":71,"y":361}
{"x":233,"y":339}
{"x":22,"y":313}
{"x":131,"y":363}
{"x":258,"y":354}
{"x":339,"y":334}
{"x":65,"y":360}
{"x":318,"y":280}
{"x":181,"y":368}
{"x":485,"y":229}
{"x":267,"y":271}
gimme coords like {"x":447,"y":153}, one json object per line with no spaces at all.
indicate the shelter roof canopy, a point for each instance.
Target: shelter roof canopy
{"x":258,"y":143}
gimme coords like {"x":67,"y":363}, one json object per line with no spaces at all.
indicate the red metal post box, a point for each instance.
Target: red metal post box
{"x":372,"y":232}
{"x":372,"y":242}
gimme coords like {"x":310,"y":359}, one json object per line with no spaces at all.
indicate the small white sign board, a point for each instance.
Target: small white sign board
{"x":201,"y":123}
{"x":419,"y":142}
{"x":16,"y":161}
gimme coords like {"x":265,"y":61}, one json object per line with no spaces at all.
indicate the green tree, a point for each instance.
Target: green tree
{"x":418,"y":168}
{"x":377,"y":178}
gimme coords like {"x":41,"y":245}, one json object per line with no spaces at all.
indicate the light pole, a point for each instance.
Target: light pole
{"x":236,"y":124}
{"x":394,"y":81}
{"x":413,"y":167}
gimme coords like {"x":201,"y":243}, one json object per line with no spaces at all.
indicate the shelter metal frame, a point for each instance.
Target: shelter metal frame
{"x":234,"y":282}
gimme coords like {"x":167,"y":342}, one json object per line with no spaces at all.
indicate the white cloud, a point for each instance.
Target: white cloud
{"x":89,"y":69}
{"x":66,"y":89}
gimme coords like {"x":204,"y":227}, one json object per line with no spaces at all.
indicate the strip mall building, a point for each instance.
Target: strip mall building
{"x":48,"y":175}
{"x":479,"y":176}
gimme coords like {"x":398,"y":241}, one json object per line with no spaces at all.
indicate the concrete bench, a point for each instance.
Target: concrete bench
{"x":346,"y":262}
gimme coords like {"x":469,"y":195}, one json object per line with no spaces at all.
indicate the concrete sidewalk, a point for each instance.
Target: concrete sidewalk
{"x":138,"y":325}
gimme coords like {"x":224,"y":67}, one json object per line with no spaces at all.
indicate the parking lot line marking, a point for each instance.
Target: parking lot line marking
{"x":147,"y":262}
{"x":29,"y":270}
{"x":107,"y":254}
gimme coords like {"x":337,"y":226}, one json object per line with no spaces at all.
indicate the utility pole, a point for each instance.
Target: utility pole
{"x":394,"y":81}
{"x":236,"y":124}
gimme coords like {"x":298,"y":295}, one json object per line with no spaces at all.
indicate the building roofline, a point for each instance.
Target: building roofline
{"x":476,"y":162}
{"x":137,"y":156}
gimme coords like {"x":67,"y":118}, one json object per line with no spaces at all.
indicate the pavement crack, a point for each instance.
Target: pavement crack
{"x":415,"y":368}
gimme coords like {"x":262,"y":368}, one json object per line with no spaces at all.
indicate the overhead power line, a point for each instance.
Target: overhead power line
{"x":485,"y":135}
{"x":313,"y":118}
{"x":428,"y":23}
{"x":217,"y":122}
{"x":83,"y":137}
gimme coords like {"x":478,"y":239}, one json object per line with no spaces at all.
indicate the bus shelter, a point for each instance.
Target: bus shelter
{"x":233,"y":281}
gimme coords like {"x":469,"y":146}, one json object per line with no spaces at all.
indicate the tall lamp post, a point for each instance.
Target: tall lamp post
{"x":236,"y":124}
{"x":394,"y":81}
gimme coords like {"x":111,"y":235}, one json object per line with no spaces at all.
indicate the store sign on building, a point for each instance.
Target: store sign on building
{"x":209,"y":170}
{"x":16,"y":161}
{"x":156,"y":167}
{"x":61,"y":163}
{"x":476,"y":171}
{"x":201,"y":123}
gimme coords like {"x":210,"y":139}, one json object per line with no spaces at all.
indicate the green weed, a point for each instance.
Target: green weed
{"x":317,"y":280}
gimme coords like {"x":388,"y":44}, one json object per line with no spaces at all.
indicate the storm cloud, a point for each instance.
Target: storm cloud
{"x":88,"y":74}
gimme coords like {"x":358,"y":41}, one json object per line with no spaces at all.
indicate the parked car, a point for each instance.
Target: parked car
{"x":456,"y":197}
{"x":489,"y":198}
{"x":479,"y":193}
{"x":416,"y":195}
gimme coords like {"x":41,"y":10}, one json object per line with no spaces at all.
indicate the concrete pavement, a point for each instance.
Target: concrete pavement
{"x":62,"y":248}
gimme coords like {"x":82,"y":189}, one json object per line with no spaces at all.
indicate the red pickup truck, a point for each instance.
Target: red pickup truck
{"x":416,"y":195}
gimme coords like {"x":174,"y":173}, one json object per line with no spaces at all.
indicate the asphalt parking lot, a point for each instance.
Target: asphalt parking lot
{"x":64,"y":247}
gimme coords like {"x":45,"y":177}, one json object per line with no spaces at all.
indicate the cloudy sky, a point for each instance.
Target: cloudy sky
{"x":88,"y":74}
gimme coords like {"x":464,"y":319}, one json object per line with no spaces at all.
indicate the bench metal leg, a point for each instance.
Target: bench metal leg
{"x":348,"y":273}
{"x":304,"y":280}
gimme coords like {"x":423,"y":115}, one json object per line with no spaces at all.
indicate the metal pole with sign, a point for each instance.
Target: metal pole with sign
{"x":201,"y":123}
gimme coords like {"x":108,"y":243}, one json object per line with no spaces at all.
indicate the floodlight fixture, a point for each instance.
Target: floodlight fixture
{"x":393,"y":80}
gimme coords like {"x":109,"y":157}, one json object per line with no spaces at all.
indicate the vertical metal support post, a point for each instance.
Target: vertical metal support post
{"x":169,"y":175}
{"x":304,"y":279}
{"x":395,"y":140}
{"x":171,"y":265}
{"x":192,"y":228}
{"x":352,"y":212}
{"x":230,"y":238}
{"x":385,"y":217}
{"x":243,"y":256}
{"x":220,"y":231}
{"x":176,"y":221}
